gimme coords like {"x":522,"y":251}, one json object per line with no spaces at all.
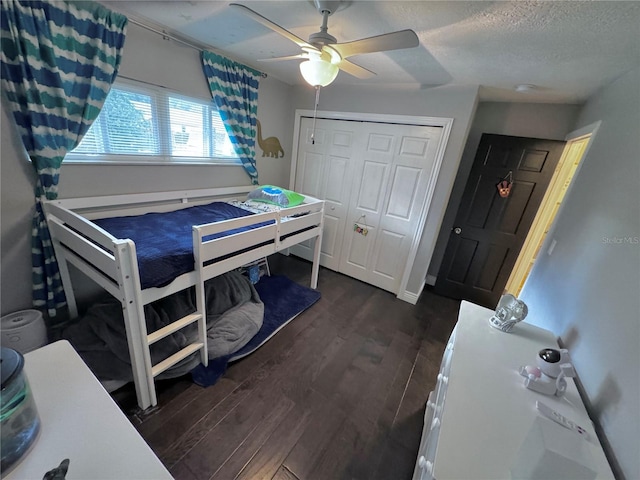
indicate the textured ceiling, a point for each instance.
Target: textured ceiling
{"x":568,"y":49}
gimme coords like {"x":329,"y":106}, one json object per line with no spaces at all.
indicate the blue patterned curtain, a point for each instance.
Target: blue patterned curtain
{"x":59,"y":59}
{"x":234,"y":88}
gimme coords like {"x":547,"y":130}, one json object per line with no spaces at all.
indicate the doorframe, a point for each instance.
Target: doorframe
{"x":517,"y":279}
{"x":444,"y":122}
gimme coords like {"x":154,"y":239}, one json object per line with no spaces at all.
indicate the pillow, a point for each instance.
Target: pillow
{"x":276,"y":195}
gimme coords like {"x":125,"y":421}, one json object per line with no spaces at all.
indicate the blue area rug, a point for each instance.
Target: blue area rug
{"x":283,"y":300}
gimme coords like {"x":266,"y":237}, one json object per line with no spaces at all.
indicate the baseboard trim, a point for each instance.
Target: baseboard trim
{"x":411,"y":297}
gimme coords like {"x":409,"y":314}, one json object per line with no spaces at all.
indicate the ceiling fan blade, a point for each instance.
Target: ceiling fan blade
{"x":288,"y":57}
{"x":273,"y":26}
{"x":379,"y":43}
{"x":355,"y":70}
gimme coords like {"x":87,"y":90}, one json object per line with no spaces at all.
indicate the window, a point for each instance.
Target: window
{"x":144,"y":124}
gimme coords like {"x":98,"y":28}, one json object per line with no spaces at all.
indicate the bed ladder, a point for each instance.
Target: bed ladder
{"x":139,"y":341}
{"x":200,"y":344}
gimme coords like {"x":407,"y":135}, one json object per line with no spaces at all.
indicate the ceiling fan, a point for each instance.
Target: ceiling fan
{"x":323,"y":56}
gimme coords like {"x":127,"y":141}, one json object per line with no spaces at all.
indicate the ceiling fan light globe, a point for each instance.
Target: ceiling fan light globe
{"x":318,"y":73}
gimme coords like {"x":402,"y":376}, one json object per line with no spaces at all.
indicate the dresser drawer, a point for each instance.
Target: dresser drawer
{"x":426,"y":430}
{"x":426,"y":456}
{"x":442,"y":381}
{"x":445,"y":364}
{"x":432,"y":416}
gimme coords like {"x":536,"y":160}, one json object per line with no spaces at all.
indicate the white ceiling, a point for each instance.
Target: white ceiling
{"x":568,"y":49}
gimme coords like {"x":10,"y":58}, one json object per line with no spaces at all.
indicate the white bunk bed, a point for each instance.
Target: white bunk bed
{"x":113,"y":264}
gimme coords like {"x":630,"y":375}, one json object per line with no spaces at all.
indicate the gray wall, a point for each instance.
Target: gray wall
{"x":588,"y":290}
{"x":551,"y":121}
{"x":148,"y":58}
{"x":17,"y":180}
{"x":458,"y":103}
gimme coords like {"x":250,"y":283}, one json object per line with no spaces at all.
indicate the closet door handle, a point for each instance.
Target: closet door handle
{"x":457,"y":230}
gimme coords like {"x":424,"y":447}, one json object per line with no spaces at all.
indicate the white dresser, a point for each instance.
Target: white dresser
{"x":480,"y":411}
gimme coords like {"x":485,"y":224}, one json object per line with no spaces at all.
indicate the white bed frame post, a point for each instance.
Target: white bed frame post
{"x":317,"y":247}
{"x":134,"y":322}
{"x":201,"y":304}
{"x":65,"y":276}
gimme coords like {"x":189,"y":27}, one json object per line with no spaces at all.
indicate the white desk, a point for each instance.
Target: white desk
{"x":81,"y":422}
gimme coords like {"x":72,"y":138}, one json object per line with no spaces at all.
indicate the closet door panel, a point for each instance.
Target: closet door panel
{"x":357,"y":256}
{"x":404,"y":189}
{"x":372,"y":182}
{"x":330,"y":234}
{"x":336,"y":176}
{"x":335,"y":210}
{"x":380,"y":142}
{"x":312,"y":173}
{"x":326,"y":173}
{"x":387,"y":263}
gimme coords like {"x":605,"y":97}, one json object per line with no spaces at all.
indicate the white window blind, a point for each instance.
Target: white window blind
{"x":144,"y":124}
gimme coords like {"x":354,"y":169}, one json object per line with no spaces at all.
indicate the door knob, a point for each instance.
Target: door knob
{"x":457,"y":230}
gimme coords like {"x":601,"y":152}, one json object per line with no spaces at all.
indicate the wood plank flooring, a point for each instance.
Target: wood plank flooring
{"x":339,"y":393}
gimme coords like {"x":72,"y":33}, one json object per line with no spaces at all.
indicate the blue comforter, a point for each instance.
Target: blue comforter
{"x":164,"y":243}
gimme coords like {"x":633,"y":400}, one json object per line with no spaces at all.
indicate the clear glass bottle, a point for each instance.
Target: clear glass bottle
{"x":19,"y":420}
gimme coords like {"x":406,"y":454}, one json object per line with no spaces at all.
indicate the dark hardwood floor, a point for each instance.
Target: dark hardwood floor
{"x":338,"y":393}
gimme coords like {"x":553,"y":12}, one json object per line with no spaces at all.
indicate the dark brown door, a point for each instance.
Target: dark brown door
{"x":489,"y":230}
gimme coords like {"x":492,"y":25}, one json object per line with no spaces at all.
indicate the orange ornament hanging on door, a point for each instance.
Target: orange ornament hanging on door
{"x":504,"y":187}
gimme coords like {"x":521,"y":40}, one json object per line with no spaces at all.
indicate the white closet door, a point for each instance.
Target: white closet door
{"x":373,"y":174}
{"x":393,"y":172}
{"x":324,"y":171}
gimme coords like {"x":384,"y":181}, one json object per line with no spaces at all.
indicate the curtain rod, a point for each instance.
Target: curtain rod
{"x":168,"y":36}
{"x":142,"y":81}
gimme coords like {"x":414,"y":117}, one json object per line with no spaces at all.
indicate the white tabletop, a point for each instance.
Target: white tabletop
{"x":488,"y":410}
{"x":81,"y":422}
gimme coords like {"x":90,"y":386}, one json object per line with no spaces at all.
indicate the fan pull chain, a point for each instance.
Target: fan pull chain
{"x":315,"y":111}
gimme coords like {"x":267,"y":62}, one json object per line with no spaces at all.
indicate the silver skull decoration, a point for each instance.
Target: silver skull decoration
{"x":510,"y":311}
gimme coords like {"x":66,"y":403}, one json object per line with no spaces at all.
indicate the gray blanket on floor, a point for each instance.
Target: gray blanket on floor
{"x":234,"y":315}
